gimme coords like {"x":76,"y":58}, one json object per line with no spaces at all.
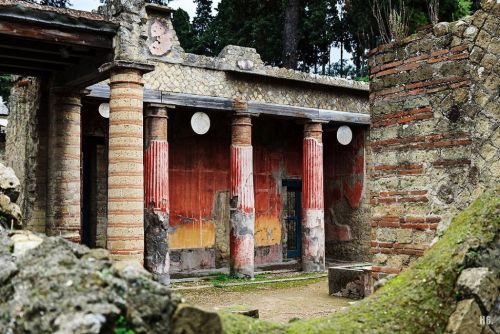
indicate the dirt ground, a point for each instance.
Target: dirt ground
{"x":280,"y":304}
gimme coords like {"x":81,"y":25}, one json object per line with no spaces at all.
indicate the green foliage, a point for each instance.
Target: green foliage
{"x":5,"y":86}
{"x":251,"y":23}
{"x":362,"y":78}
{"x":122,"y":326}
{"x":184,"y":30}
{"x":203,"y":29}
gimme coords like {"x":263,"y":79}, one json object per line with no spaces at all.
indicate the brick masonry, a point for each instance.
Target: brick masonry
{"x":64,"y":150}
{"x":435,"y":136}
{"x":125,"y":230}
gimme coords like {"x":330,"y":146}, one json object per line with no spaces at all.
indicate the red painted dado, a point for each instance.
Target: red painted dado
{"x":156,"y":175}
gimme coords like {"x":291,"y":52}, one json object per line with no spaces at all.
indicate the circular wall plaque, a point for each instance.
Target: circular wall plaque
{"x":344,"y":135}
{"x":104,"y":110}
{"x":200,"y":122}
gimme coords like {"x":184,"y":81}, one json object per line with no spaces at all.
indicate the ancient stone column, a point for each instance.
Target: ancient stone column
{"x":64,"y":152}
{"x":125,"y":230}
{"x":156,"y":190}
{"x":313,"y":220}
{"x":242,"y":208}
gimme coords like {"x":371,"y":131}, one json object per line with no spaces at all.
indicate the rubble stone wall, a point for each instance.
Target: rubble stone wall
{"x":435,"y":137}
{"x":26,"y":149}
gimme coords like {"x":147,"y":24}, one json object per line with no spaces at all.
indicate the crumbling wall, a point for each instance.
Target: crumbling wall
{"x":435,"y":137}
{"x":26,"y":148}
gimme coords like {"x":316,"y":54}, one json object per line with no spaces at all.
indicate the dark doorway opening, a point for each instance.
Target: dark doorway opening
{"x":91,"y":192}
{"x":292,"y":215}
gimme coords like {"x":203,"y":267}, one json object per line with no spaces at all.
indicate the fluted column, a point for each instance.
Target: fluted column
{"x":156,"y":192}
{"x":313,"y":221}
{"x":64,"y":150}
{"x":242,"y":211}
{"x":125,"y":230}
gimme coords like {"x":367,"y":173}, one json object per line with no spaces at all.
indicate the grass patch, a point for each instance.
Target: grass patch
{"x":222,"y":279}
{"x":274,"y":285}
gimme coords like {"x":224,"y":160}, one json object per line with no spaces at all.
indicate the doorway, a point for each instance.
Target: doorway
{"x":94,"y":194}
{"x":292,"y":215}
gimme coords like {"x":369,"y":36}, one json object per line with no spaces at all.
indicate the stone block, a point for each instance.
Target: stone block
{"x":465,"y":319}
{"x":480,"y":283}
{"x":350,"y":280}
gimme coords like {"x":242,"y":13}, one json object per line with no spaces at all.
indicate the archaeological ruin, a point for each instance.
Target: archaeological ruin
{"x":193,"y":164}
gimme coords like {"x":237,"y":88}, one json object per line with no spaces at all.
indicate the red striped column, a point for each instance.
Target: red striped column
{"x":64,"y":188}
{"x":313,"y":220}
{"x":125,"y":230}
{"x":156,"y":192}
{"x":242,"y":211}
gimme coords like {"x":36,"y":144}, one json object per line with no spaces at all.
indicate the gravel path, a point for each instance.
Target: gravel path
{"x":274,"y":303}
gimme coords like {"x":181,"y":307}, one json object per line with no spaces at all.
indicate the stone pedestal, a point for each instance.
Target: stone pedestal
{"x":313,"y":216}
{"x":242,"y":211}
{"x":64,"y":159}
{"x":156,"y":192}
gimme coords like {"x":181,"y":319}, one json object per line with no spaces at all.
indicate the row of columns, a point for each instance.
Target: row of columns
{"x":138,"y":179}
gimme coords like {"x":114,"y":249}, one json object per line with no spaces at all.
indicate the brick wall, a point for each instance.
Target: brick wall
{"x":435,"y":137}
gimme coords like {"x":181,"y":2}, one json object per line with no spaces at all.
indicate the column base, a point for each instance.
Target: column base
{"x":313,"y":240}
{"x":242,"y":244}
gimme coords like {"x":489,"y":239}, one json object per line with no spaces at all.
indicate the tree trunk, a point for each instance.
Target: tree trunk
{"x":342,"y":59}
{"x":291,"y":34}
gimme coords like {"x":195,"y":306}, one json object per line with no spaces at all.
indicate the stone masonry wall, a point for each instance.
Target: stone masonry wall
{"x":26,"y":149}
{"x":435,"y":135}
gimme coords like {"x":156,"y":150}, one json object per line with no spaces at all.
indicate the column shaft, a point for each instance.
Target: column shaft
{"x":242,"y":212}
{"x":313,"y":221}
{"x":156,"y":193}
{"x":125,"y":230}
{"x":64,"y":151}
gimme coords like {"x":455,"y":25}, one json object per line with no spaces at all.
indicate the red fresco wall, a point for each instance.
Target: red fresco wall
{"x":277,"y":156}
{"x":345,"y":227}
{"x":199,"y":169}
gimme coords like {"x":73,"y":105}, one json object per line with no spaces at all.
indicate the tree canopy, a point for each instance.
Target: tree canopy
{"x":300,"y":34}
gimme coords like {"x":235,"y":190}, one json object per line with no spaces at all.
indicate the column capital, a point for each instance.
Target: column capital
{"x":157,"y":110}
{"x":241,"y":133}
{"x":240,"y":105}
{"x":126,"y":64}
{"x":313,"y":130}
